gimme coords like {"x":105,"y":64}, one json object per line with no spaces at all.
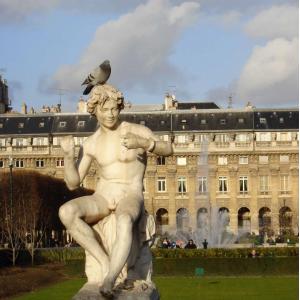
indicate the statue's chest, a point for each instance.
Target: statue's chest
{"x":109,"y":150}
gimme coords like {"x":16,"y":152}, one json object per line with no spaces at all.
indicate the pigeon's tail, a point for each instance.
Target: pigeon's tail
{"x":88,"y":89}
{"x":86,"y":81}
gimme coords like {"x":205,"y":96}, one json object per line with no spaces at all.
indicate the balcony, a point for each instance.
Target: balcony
{"x":242,"y":144}
{"x":222,"y":144}
{"x":263,"y":144}
{"x":285,"y":193}
{"x":264,"y":193}
{"x":19,"y":149}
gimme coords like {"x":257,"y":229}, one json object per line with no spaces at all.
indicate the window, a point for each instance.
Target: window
{"x":143,"y":122}
{"x":242,"y":138}
{"x":19,"y":142}
{"x":181,"y":161}
{"x":19,"y":163}
{"x":262,"y":120}
{"x":39,"y":141}
{"x":202,"y":181}
{"x":222,"y":121}
{"x":243,"y":160}
{"x":183,"y":121}
{"x":161,"y":184}
{"x":203,"y":122}
{"x":1,"y":125}
{"x":181,"y":184}
{"x":79,"y":140}
{"x":2,"y":142}
{"x":222,"y":160}
{"x":281,"y":120}
{"x":284,"y":182}
{"x":243,"y":184}
{"x":20,"y":125}
{"x":62,"y":124}
{"x":222,"y":138}
{"x":263,"y":159}
{"x":162,"y":122}
{"x":264,"y":183}
{"x":284,"y":136}
{"x":1,"y":163}
{"x":223,"y":184}
{"x":181,"y":139}
{"x":161,"y":160}
{"x":81,"y":123}
{"x":41,"y":124}
{"x":241,"y":121}
{"x":60,"y":163}
{"x":203,"y":138}
{"x":284,"y":159}
{"x":39,"y":163}
{"x":264,"y":137}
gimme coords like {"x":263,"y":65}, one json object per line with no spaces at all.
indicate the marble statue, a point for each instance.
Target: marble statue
{"x":112,"y":224}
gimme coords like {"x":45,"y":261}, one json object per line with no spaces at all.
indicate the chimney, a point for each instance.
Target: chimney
{"x":24,"y":108}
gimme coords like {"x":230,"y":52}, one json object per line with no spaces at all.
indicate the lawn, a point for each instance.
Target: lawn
{"x":182,"y":288}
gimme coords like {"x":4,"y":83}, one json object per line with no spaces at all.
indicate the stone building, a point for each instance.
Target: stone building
{"x":244,"y":161}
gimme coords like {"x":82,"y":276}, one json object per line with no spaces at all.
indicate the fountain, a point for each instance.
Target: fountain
{"x":212,"y":222}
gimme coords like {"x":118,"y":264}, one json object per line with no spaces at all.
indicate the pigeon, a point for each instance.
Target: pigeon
{"x":98,"y":76}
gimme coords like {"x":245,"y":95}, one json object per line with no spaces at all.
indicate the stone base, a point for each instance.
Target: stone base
{"x":91,"y":292}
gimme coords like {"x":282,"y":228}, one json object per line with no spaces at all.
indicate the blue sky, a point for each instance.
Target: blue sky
{"x":204,"y":50}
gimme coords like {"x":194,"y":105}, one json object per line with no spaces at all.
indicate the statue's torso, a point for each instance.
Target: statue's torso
{"x":116,"y":162}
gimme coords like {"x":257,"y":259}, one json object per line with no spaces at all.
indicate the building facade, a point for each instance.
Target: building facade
{"x":243,"y":161}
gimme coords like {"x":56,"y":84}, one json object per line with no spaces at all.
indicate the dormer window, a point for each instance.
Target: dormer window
{"x":262,"y":120}
{"x":281,"y":120}
{"x":142,"y":122}
{"x":241,"y":121}
{"x":203,"y":122}
{"x":223,"y":121}
{"x":20,"y":125}
{"x":41,"y":124}
{"x":81,"y":123}
{"x":1,"y":125}
{"x":62,"y":124}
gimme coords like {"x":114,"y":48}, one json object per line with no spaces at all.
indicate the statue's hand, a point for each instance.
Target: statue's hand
{"x":133,"y":141}
{"x":67,"y":145}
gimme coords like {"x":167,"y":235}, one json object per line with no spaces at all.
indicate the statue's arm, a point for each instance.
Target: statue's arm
{"x":144,"y":138}
{"x":74,"y":171}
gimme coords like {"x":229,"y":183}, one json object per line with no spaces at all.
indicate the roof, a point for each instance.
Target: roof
{"x":157,"y":121}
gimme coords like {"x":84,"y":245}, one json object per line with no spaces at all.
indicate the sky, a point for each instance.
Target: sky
{"x":201,"y":50}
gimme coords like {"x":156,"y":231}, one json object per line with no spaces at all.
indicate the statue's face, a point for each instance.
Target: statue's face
{"x":108,"y":114}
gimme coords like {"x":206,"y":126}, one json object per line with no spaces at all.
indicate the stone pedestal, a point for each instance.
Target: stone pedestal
{"x":140,"y":292}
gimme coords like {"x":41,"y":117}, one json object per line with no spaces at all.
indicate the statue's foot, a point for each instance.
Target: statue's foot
{"x":106,"y":290}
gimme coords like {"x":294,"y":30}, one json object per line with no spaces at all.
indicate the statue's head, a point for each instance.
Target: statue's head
{"x":100,"y":94}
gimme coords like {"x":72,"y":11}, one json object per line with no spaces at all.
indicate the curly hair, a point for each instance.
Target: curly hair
{"x":102,"y":93}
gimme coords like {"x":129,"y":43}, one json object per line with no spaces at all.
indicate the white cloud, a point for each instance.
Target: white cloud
{"x":138,"y":45}
{"x":277,"y":21}
{"x":271,"y":74}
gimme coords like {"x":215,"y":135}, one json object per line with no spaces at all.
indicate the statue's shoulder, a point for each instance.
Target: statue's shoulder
{"x":90,"y":141}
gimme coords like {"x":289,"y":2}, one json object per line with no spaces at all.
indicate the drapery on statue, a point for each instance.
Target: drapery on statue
{"x":112,"y":225}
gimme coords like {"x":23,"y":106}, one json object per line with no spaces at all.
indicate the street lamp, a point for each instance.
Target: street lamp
{"x":11,"y":164}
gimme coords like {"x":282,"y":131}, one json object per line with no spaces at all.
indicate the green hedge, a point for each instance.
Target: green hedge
{"x":71,"y":254}
{"x":224,"y":252}
{"x":275,"y":266}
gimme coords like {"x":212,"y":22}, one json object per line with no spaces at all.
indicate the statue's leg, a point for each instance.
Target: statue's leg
{"x":127,"y":212}
{"x":76,"y":214}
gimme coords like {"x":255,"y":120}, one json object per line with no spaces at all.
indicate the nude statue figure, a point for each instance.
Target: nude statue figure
{"x":120,"y":150}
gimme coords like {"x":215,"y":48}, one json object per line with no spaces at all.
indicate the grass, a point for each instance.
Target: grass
{"x":183,"y":288}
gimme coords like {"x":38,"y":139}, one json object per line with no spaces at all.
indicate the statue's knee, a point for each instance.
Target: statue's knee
{"x":66,"y":214}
